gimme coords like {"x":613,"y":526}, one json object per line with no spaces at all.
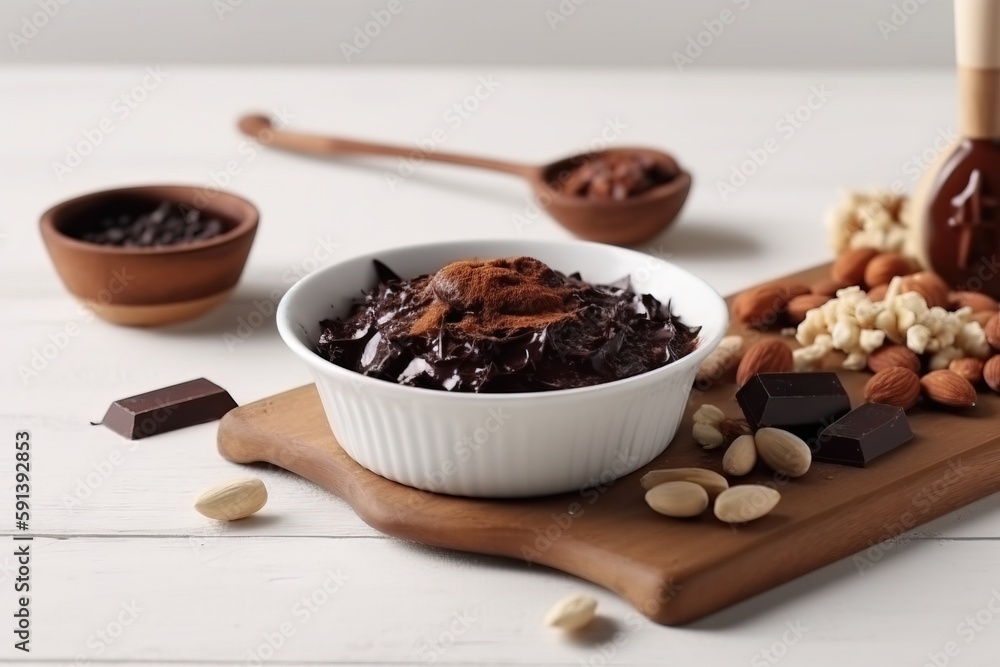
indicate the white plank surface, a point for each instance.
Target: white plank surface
{"x":209,"y":593}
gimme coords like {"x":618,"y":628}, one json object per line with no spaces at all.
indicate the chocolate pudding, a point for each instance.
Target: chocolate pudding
{"x":506,"y":325}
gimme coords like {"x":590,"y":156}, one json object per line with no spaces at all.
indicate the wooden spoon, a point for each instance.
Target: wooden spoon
{"x":628,"y":221}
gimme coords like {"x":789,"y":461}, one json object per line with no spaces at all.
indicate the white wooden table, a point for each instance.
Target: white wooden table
{"x":124,"y":570}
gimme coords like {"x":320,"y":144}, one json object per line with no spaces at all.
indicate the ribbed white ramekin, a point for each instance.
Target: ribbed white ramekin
{"x":503,"y":445}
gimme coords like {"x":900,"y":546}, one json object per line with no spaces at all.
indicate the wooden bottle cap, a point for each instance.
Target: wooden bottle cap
{"x":977,"y":49}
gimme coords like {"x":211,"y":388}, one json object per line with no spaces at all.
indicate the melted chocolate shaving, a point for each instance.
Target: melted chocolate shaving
{"x":384,"y":273}
{"x":509,"y":325}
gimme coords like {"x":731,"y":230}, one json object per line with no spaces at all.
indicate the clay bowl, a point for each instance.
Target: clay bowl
{"x":156,"y":285}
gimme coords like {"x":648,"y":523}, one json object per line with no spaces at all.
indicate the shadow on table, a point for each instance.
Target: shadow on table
{"x":702,"y":239}
{"x":249,"y":313}
{"x":431,"y":175}
{"x":601,"y":630}
{"x":908,"y":545}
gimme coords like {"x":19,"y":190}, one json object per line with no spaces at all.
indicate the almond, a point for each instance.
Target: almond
{"x":894,"y":386}
{"x":991,"y":372}
{"x":572,"y":613}
{"x":893,"y":356}
{"x":977,"y":301}
{"x":992,"y":329}
{"x":678,"y":499}
{"x":763,"y":306}
{"x":799,"y":305}
{"x":983,"y":316}
{"x":783,"y":452}
{"x":948,"y":388}
{"x":883,"y":268}
{"x":236,"y":499}
{"x":712,"y":482}
{"x":707,"y":436}
{"x":929,"y":285}
{"x":766,"y":356}
{"x":828,"y":287}
{"x":877,"y":293}
{"x":722,"y":360}
{"x":741,"y":456}
{"x":850,"y":267}
{"x":968,"y":367}
{"x":745,"y":502}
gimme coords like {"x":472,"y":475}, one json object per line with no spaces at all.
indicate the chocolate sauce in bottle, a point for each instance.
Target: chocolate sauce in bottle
{"x":962,"y":235}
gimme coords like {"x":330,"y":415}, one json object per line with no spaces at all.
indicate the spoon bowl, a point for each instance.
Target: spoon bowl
{"x":625,"y":222}
{"x":630,"y":220}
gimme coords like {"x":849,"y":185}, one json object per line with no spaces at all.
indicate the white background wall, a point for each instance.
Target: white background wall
{"x":769,"y":33}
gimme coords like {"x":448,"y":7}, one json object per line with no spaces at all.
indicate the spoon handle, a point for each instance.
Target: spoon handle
{"x":260,"y":128}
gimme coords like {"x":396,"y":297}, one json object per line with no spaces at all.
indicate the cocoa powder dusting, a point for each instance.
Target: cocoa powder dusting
{"x":504,"y":325}
{"x":502,"y":294}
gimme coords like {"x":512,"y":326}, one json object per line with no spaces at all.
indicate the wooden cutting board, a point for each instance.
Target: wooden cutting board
{"x":673,"y":571}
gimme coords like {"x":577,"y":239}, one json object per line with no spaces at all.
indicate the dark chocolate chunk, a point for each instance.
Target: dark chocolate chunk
{"x":863,"y":434}
{"x":385,"y":274}
{"x":168,"y":409}
{"x":803,"y":403}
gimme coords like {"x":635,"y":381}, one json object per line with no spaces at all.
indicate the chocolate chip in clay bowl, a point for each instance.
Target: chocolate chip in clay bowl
{"x":520,"y":444}
{"x":623,"y":196}
{"x":150,"y":255}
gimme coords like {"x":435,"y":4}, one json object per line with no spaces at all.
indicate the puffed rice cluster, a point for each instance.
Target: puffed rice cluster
{"x":867,"y":219}
{"x":854,"y":324}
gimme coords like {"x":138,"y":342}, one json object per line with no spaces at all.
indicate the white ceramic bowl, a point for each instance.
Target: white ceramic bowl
{"x":503,"y":445}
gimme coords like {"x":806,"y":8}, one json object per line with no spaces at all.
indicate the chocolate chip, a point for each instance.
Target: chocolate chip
{"x":158,"y":223}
